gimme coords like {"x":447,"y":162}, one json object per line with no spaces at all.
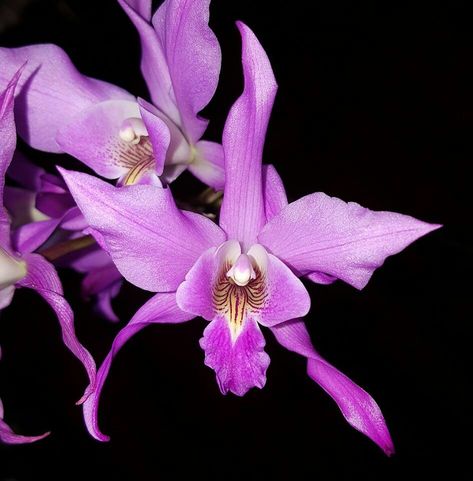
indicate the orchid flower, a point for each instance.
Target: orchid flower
{"x":242,"y":275}
{"x":44,"y":215}
{"x":23,"y":267}
{"x":60,"y":110}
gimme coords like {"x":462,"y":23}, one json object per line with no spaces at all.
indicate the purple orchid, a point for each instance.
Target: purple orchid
{"x":21,"y":267}
{"x":244,"y":274}
{"x":60,"y":110}
{"x":45,"y":216}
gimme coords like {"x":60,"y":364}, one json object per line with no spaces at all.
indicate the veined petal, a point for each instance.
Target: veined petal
{"x":161,"y":308}
{"x":7,"y":435}
{"x":50,"y":92}
{"x":242,"y":213}
{"x":356,"y":405}
{"x":323,"y":234}
{"x":153,"y":60}
{"x":240,"y":363}
{"x":7,"y":147}
{"x":42,"y":277}
{"x":208,"y":164}
{"x":274,"y":194}
{"x":152,"y":242}
{"x":193,"y":58}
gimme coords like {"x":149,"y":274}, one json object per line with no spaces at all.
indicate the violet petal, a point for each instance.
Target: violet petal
{"x":242,"y":212}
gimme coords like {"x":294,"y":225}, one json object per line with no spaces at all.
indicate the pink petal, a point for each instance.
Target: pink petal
{"x":51,"y":92}
{"x":323,"y":234}
{"x":356,"y":405}
{"x":208,"y":164}
{"x":239,"y":365}
{"x":242,"y":213}
{"x":287,"y":297}
{"x":152,"y":243}
{"x":193,"y":57}
{"x":274,"y":194}
{"x":7,"y":147}
{"x":154,"y":64}
{"x":7,"y":435}
{"x":42,"y":277}
{"x":161,"y":308}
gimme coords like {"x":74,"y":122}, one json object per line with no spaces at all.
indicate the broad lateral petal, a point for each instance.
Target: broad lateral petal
{"x":287,"y":297}
{"x":42,"y":277}
{"x":208,"y":164}
{"x":50,"y":92}
{"x":239,"y":364}
{"x":153,"y":61}
{"x":242,"y":213}
{"x":193,"y":56}
{"x":152,"y":242}
{"x":356,"y":405}
{"x":7,"y":435}
{"x":275,"y":198}
{"x":160,"y":309}
{"x":194,"y":295}
{"x":93,"y":137}
{"x":344,"y":240}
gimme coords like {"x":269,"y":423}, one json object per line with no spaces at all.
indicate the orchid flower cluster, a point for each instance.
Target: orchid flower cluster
{"x":242,"y":274}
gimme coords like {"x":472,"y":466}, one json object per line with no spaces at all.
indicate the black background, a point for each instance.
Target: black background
{"x":374,"y":105}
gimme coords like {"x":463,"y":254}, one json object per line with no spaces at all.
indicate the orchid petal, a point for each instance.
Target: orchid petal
{"x":208,"y":164}
{"x":193,"y":58}
{"x":239,"y":364}
{"x":323,"y":234}
{"x":161,"y":308}
{"x":7,"y":435}
{"x":287,"y":297}
{"x":50,"y":92}
{"x":42,"y":277}
{"x":159,"y":133}
{"x":105,"y":283}
{"x":274,"y":194}
{"x":152,"y":242}
{"x":356,"y":405}
{"x":153,"y":61}
{"x":29,"y":237}
{"x":242,"y":213}
{"x":321,"y":278}
{"x":7,"y":147}
{"x":93,"y":137}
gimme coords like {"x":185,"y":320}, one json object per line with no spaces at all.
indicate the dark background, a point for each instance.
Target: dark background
{"x":375,"y":106}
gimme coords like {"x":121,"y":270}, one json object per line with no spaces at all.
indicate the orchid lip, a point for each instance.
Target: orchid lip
{"x":240,"y":289}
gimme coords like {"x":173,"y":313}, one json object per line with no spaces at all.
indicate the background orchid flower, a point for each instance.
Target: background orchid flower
{"x":45,"y":217}
{"x":61,"y":110}
{"x":24,"y":268}
{"x":243,"y":275}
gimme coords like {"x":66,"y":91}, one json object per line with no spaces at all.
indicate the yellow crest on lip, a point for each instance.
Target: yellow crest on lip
{"x":235,"y":302}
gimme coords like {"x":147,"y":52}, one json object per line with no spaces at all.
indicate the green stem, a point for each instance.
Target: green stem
{"x":67,"y":247}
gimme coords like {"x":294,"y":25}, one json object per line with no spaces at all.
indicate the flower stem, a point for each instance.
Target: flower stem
{"x":67,"y":247}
